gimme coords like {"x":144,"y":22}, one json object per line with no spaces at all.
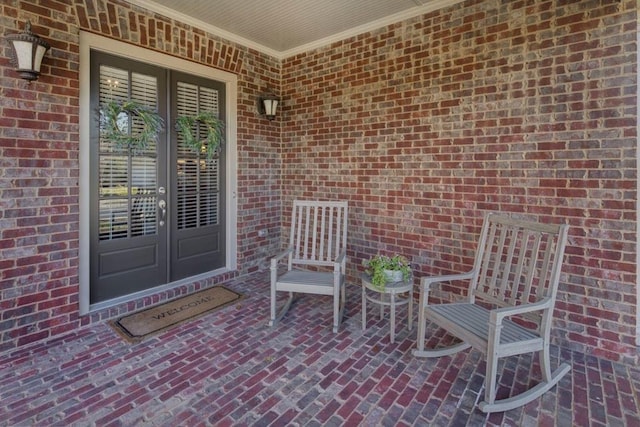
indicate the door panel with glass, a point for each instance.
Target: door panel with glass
{"x":156,"y":210}
{"x":197,"y":243}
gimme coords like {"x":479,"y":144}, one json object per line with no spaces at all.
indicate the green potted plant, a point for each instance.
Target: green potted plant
{"x":385,"y":269}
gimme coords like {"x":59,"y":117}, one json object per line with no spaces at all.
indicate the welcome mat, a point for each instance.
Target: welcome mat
{"x":135,"y":327}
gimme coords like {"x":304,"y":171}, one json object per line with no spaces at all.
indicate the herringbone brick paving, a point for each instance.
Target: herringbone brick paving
{"x":229,"y":368}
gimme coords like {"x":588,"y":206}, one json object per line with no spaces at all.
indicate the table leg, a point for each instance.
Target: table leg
{"x":364,"y":308}
{"x":392,"y":314}
{"x":410,"y":309}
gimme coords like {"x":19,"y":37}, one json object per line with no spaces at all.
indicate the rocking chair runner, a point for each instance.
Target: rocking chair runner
{"x":316,"y":256}
{"x":512,"y":286}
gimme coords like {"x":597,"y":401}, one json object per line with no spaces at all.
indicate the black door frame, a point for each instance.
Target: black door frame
{"x":153,"y":260}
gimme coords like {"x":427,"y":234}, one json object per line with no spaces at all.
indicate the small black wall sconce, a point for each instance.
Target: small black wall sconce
{"x":268,"y":106}
{"x":27,"y":52}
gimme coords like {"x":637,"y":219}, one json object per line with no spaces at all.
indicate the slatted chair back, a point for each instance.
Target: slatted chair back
{"x":518,"y":263}
{"x":318,"y":232}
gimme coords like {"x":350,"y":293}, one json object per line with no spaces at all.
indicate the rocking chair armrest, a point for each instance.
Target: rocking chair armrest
{"x":497,"y":315}
{"x":277,"y":258}
{"x":426,"y":282}
{"x":340,"y":261}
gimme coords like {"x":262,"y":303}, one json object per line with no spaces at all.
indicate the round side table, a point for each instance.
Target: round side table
{"x":391,"y":295}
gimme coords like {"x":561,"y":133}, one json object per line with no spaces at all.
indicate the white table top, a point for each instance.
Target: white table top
{"x":395,"y":287}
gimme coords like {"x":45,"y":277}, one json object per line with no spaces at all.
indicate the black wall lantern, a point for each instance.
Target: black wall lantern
{"x":27,"y":51}
{"x":268,"y":106}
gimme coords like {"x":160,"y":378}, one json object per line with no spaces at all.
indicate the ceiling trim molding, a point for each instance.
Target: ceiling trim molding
{"x":186,"y":19}
{"x":373,"y":25}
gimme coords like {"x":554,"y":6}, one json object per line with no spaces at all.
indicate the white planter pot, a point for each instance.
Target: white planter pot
{"x":392,"y":276}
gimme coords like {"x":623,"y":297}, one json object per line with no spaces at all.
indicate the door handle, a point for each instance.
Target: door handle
{"x":163,"y":210}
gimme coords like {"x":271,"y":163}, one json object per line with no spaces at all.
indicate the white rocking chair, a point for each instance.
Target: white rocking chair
{"x":509,"y":306}
{"x":316,"y":257}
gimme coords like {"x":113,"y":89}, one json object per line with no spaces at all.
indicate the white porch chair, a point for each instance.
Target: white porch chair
{"x":316,"y":257}
{"x":508,"y":309}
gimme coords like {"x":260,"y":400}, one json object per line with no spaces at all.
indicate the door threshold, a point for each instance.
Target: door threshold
{"x":155,"y":290}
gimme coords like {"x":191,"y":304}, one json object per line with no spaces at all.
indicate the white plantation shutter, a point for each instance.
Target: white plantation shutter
{"x":198,"y":186}
{"x":144,"y":90}
{"x":114,"y":86}
{"x":127,"y":178}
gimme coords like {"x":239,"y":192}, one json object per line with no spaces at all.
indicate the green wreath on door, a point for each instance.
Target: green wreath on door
{"x":117,"y":131}
{"x":209,"y":146}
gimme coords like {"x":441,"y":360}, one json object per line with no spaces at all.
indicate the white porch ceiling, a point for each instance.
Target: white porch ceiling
{"x":284,"y":28}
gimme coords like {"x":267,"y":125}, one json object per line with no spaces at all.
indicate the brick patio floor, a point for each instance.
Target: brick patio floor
{"x":230,"y":368}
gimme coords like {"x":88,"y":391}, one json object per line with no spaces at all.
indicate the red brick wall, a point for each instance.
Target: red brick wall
{"x":526,"y":107}
{"x":38,"y":188}
{"x":39,"y":158}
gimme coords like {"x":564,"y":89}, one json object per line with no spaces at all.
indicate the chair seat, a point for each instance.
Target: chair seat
{"x":470,"y":322}
{"x":309,"y":282}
